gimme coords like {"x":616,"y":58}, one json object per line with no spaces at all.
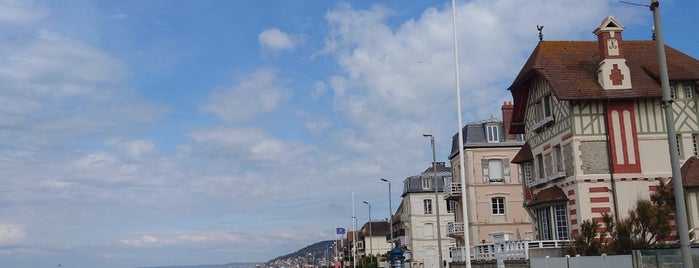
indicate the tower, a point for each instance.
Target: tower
{"x":612,"y":73}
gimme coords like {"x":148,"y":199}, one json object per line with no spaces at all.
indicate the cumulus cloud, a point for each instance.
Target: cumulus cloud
{"x":275,"y":39}
{"x":259,"y":92}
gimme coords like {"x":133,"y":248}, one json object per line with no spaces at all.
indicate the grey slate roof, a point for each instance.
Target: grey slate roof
{"x":475,"y":137}
{"x":413,"y":184}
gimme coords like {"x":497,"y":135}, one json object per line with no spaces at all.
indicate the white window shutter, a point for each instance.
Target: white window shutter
{"x":486,"y":175}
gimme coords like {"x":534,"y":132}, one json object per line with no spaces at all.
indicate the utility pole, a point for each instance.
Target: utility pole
{"x":678,"y":190}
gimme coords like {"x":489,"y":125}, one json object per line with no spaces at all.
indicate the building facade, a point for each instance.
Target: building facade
{"x":415,"y":223}
{"x":494,"y":193}
{"x":592,"y":116}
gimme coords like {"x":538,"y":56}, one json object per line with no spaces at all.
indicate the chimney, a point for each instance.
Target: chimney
{"x":507,"y":109}
{"x":612,"y":72}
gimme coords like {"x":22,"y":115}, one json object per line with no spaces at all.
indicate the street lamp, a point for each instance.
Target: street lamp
{"x":390,"y":210}
{"x":436,"y":197}
{"x":371,"y":250}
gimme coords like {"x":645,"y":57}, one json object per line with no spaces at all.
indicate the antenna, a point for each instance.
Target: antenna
{"x":541,"y":35}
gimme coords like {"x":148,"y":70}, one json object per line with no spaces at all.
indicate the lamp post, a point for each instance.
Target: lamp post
{"x":390,"y":210}
{"x":436,"y":197}
{"x":678,"y":190}
{"x":371,"y":250}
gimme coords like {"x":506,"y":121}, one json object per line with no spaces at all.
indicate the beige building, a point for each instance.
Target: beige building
{"x":494,"y":187}
{"x":596,"y":138}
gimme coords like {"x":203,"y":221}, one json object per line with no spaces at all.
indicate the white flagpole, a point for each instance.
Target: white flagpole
{"x":462,"y":169}
{"x":354,"y":235}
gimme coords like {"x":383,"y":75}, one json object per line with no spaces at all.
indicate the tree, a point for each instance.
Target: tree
{"x":647,"y":226}
{"x":586,"y":243}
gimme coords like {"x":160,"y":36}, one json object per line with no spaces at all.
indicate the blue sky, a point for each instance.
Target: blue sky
{"x":137,"y":133}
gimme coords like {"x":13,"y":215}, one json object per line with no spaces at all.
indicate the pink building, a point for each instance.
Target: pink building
{"x":494,"y":186}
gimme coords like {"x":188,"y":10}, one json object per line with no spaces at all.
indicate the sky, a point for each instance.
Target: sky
{"x":144,"y":133}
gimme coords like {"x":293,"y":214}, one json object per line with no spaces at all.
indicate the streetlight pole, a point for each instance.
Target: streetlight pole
{"x":390,"y":210}
{"x":436,"y":197}
{"x":371,"y":249}
{"x":678,"y":190}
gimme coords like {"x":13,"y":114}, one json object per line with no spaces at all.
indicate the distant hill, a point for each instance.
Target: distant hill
{"x":230,"y":265}
{"x":316,"y":250}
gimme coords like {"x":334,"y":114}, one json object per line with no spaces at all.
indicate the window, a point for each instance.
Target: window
{"x":520,"y":137}
{"x":540,"y":166}
{"x":496,"y":170}
{"x":429,"y":229}
{"x":559,"y":158}
{"x":694,"y":144}
{"x":492,"y":133}
{"x":498,"y":204}
{"x":427,"y":203}
{"x":527,"y":171}
{"x":679,"y":145}
{"x":688,"y":92}
{"x":552,"y":223}
{"x":426,"y":183}
{"x":673,"y":92}
{"x":561,"y":222}
{"x":451,"y":206}
{"x":543,"y":224}
{"x":547,"y":105}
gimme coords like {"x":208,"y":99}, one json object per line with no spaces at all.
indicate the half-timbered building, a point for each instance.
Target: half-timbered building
{"x":596,"y":137}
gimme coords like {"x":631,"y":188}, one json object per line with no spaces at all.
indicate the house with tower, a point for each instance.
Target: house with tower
{"x":596,"y":140}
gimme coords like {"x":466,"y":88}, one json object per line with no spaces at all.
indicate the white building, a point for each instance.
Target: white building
{"x":415,"y":222}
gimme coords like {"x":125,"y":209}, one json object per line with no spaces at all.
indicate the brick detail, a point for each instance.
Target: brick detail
{"x":573,"y":221}
{"x":598,"y":219}
{"x":598,"y":189}
{"x":599,"y":199}
{"x":601,"y":210}
{"x":573,"y":212}
{"x":571,"y":192}
{"x":571,"y":202}
{"x":653,"y":188}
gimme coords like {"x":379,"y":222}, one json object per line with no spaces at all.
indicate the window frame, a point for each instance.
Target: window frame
{"x":427,"y":206}
{"x":497,"y":205}
{"x":492,"y":133}
{"x":688,"y":92}
{"x":426,"y":183}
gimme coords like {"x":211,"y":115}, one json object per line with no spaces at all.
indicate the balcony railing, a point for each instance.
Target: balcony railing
{"x":538,"y":181}
{"x":458,"y":254}
{"x":513,"y":249}
{"x":452,"y":190}
{"x":455,"y":229}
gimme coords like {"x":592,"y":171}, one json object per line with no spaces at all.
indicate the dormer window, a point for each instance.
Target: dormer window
{"x":426,"y":183}
{"x":492,"y":133}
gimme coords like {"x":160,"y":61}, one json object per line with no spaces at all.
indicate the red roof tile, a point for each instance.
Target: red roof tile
{"x":570,"y":68}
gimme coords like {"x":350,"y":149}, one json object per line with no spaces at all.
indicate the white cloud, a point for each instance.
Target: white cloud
{"x":21,"y":12}
{"x":275,"y":39}
{"x":133,"y":148}
{"x":319,"y":90}
{"x":11,"y":235}
{"x":259,"y":92}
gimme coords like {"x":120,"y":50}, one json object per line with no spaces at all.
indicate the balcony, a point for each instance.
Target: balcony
{"x":452,"y":190}
{"x":544,"y":122}
{"x":455,"y":229}
{"x":544,"y":180}
{"x":458,"y":254}
{"x":513,"y":249}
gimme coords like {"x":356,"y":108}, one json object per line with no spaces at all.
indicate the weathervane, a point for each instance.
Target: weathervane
{"x":541,"y":35}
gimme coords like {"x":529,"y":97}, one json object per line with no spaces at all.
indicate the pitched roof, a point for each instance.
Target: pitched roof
{"x":378,"y":228}
{"x":549,"y":195}
{"x":524,"y":154}
{"x":570,"y":69}
{"x":474,"y":135}
{"x":690,"y":172}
